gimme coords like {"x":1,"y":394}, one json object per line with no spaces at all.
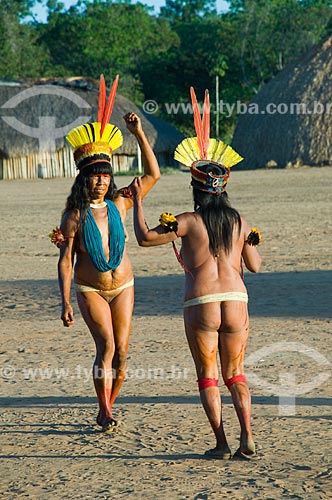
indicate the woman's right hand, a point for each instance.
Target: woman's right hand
{"x":67,"y":315}
{"x":133,"y":123}
{"x":137,"y":188}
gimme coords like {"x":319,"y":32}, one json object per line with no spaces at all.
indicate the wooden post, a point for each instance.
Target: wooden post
{"x":217,"y":106}
{"x":139,"y":160}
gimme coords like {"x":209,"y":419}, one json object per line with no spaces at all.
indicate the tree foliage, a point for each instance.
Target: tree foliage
{"x":160,"y":56}
{"x":20,"y":55}
{"x":273,"y":33}
{"x":102,"y":37}
{"x":167,"y":80}
{"x":187,"y":10}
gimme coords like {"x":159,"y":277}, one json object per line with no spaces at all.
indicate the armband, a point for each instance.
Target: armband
{"x":169,"y":222}
{"x":57,"y":237}
{"x":254,"y":237}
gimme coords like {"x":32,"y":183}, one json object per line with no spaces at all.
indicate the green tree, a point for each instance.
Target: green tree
{"x":194,"y":61}
{"x":19,"y":8}
{"x":273,"y":33}
{"x":187,"y":10}
{"x":21,"y":54}
{"x":259,"y":39}
{"x":106,"y":37}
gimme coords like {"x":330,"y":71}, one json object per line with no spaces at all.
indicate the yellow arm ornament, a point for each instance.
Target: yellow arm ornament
{"x":169,"y":222}
{"x":254,"y":237}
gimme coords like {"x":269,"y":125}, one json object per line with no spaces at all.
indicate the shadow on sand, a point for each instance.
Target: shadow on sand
{"x":79,"y":402}
{"x":288,"y":294}
{"x":293,"y":294}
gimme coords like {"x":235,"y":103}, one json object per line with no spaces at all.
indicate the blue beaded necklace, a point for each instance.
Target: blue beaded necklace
{"x":93,"y":242}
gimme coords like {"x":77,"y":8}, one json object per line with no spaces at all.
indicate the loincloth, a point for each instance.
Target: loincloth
{"x":108,"y":295}
{"x":217,"y":297}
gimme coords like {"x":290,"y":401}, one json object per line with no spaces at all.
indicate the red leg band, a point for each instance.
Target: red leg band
{"x":203,"y":383}
{"x":238,"y":378}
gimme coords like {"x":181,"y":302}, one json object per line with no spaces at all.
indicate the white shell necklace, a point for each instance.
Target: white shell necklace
{"x":98,"y":205}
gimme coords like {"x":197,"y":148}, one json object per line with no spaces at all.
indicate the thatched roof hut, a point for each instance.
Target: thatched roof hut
{"x":292,"y":124}
{"x":36,"y":116}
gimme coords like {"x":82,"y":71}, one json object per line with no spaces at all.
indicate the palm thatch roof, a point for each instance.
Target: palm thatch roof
{"x":292,"y":124}
{"x":36,"y":115}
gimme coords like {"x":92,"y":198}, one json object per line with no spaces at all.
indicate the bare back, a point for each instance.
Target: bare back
{"x":212,"y":273}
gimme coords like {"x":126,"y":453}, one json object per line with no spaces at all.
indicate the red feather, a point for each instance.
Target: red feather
{"x":109,"y":107}
{"x":102,"y":99}
{"x":197,"y":121}
{"x":206,"y":124}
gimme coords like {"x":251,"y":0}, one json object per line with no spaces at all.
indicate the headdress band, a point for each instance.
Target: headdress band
{"x":208,"y":181}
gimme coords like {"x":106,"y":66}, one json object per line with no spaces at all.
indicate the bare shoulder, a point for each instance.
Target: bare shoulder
{"x":186,"y":216}
{"x":187,"y":222}
{"x":123,"y":204}
{"x":244,"y":224}
{"x":121,"y":201}
{"x":70,"y":222}
{"x":245,"y":228}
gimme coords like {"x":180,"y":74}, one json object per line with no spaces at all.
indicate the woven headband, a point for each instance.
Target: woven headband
{"x":208,"y":181}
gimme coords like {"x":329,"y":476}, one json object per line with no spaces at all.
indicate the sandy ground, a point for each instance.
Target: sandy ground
{"x":50,"y":445}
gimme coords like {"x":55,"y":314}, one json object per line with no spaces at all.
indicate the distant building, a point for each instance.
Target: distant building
{"x":35,"y":117}
{"x":292,"y":125}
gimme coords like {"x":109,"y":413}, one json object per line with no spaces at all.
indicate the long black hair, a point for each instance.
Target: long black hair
{"x":79,"y":199}
{"x":219,"y":217}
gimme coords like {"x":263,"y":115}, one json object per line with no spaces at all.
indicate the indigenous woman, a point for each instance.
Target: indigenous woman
{"x":215,"y":238}
{"x":92,"y":230}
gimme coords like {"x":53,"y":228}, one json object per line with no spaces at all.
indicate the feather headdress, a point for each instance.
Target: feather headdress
{"x":209,"y":160}
{"x":95,"y":142}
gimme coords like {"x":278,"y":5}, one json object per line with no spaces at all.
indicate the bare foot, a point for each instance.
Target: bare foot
{"x":111,"y":426}
{"x":220,"y":453}
{"x":104,"y":420}
{"x":247,"y":451}
{"x":247,"y":446}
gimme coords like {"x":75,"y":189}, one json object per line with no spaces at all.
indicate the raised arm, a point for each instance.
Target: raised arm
{"x":151,"y":167}
{"x":146,"y":237}
{"x":250,"y":254}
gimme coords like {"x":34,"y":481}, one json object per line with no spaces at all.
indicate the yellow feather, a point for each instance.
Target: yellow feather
{"x":187,"y":151}
{"x":215,"y":149}
{"x":220,"y":152}
{"x":113,"y":135}
{"x":230,"y":157}
{"x":90,"y":132}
